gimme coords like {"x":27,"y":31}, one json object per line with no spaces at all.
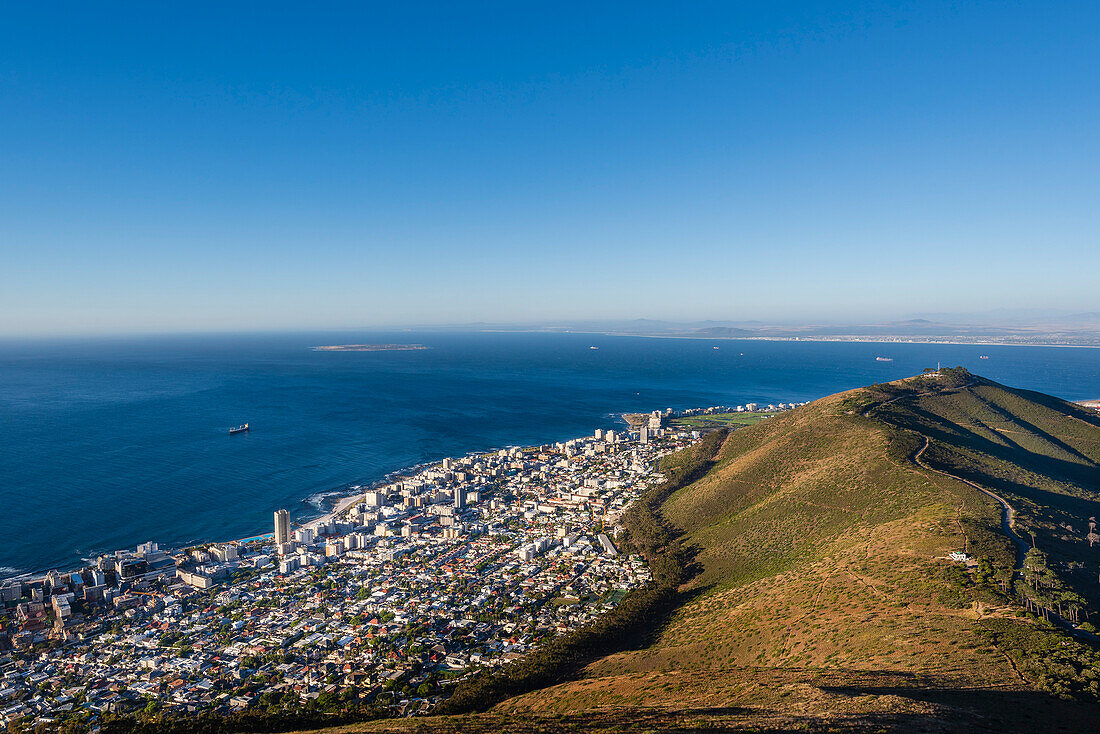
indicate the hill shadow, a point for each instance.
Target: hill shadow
{"x":1058,"y":405}
{"x":1034,"y":429}
{"x":948,"y":433}
{"x":978,"y":709}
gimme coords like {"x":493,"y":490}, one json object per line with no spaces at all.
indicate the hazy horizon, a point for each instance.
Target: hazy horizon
{"x":636,"y":326}
{"x":218,"y":168}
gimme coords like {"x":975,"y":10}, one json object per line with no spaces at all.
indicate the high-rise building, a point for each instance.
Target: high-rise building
{"x":282,"y":527}
{"x":643,"y":435}
{"x":460,"y":498}
{"x":224,"y":553}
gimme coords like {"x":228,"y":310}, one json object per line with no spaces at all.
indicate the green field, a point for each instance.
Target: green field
{"x":720,"y":420}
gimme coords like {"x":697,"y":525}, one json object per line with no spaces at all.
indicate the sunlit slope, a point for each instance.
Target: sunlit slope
{"x":816,"y":538}
{"x":822,"y":550}
{"x":1040,"y":453}
{"x":824,"y":595}
{"x":793,"y":491}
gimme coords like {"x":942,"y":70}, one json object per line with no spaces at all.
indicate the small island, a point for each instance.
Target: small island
{"x":370,"y":348}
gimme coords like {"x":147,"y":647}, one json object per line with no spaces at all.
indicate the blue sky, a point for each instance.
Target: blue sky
{"x":294,"y":165}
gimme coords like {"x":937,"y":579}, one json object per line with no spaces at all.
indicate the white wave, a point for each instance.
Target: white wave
{"x":320,"y":499}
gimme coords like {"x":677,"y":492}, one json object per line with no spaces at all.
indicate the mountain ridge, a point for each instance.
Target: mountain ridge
{"x":822,"y":592}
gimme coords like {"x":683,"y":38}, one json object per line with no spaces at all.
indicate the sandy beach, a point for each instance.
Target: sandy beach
{"x":342,"y":505}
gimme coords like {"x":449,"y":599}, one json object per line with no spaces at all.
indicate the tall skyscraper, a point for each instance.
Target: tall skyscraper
{"x":460,"y":498}
{"x":282,"y":527}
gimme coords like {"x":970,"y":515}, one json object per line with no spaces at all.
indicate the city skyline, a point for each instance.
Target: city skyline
{"x":222,"y":169}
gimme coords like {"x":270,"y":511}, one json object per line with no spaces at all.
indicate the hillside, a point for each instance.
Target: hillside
{"x":821,"y":595}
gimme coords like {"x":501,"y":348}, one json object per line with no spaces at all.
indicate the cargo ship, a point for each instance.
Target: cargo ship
{"x":243,"y":428}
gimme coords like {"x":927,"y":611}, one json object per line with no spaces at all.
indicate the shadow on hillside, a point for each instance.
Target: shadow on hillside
{"x":952,"y":434}
{"x":871,"y":708}
{"x":1027,"y":425}
{"x":1075,"y":506}
{"x":970,"y":709}
{"x":1056,"y":404}
{"x":1011,"y":471}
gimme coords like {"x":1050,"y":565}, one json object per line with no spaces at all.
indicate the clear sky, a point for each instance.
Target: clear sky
{"x":267,"y":165}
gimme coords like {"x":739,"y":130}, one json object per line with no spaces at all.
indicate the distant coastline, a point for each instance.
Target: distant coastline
{"x":1079,"y":330}
{"x":370,"y":348}
{"x":364,"y":415}
{"x":855,"y":339}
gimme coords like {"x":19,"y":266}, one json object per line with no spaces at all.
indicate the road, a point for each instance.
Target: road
{"x":1008,"y":513}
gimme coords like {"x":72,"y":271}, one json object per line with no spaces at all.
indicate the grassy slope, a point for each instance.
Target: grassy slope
{"x":1039,"y":453}
{"x":817,"y":537}
{"x":821,"y":600}
{"x":720,"y":420}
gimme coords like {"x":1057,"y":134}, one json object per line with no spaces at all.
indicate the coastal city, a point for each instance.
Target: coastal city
{"x":400,"y":592}
{"x":439,"y":368}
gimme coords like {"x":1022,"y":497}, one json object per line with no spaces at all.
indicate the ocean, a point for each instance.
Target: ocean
{"x":106,"y":443}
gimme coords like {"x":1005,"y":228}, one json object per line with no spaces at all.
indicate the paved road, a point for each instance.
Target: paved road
{"x":1008,"y":513}
{"x":1008,"y":516}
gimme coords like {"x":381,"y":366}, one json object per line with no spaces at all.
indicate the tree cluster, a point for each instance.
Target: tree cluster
{"x":1044,"y":593}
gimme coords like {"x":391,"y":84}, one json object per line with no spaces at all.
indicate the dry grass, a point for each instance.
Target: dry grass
{"x":824,"y":600}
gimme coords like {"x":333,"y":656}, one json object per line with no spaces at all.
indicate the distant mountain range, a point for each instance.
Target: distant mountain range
{"x":1036,"y":328}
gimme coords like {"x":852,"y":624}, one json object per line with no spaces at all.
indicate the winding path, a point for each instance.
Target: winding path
{"x":1008,"y":513}
{"x":1008,"y":524}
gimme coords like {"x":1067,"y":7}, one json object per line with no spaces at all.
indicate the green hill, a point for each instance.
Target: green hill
{"x":818,"y":592}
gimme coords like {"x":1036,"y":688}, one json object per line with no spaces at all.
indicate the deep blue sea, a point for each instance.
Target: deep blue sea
{"x":108,"y":443}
